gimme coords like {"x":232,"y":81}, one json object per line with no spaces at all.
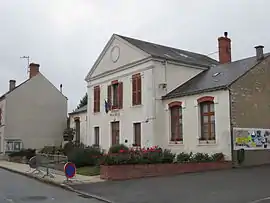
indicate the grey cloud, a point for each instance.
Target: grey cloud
{"x":66,"y":36}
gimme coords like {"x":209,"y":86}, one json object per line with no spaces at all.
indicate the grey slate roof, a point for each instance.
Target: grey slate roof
{"x":4,"y":95}
{"x":170,"y":53}
{"x":215,"y":78}
{"x":80,"y":110}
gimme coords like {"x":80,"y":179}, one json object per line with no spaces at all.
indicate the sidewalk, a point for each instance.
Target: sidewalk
{"x":57,"y":179}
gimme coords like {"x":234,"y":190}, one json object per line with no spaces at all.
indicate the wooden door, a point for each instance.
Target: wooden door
{"x":115,"y":133}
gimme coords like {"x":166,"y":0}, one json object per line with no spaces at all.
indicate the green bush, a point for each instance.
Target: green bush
{"x":28,"y":153}
{"x":184,"y":157}
{"x":88,"y":156}
{"x":201,"y":157}
{"x":116,"y":148}
{"x":68,"y":148}
{"x":153,"y":155}
{"x":217,"y":157}
{"x":52,"y":150}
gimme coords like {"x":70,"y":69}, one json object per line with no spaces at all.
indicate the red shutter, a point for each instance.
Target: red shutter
{"x":98,"y":99}
{"x":95,"y":100}
{"x":120,"y":95}
{"x":134,"y":90}
{"x":109,"y":96}
{"x":139,"y":90}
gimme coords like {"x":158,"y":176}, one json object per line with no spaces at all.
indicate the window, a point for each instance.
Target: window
{"x":176,"y":122}
{"x":115,"y":132}
{"x":97,"y":99}
{"x":96,"y":129}
{"x":136,"y":89}
{"x":115,"y":95}
{"x":137,"y":134}
{"x":207,"y":118}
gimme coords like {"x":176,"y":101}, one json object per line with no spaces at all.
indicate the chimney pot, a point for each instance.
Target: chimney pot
{"x":12,"y":85}
{"x":259,"y":52}
{"x":224,"y":47}
{"x":34,"y":69}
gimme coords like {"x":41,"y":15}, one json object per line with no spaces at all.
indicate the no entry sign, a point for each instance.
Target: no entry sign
{"x":70,"y":170}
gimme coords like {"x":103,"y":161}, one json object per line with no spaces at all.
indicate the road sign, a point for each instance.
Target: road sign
{"x":70,"y":170}
{"x":33,"y":162}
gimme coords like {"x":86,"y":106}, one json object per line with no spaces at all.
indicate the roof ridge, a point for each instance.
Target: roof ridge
{"x":162,"y":45}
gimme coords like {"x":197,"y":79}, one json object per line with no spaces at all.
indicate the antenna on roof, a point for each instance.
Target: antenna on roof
{"x":28,"y":61}
{"x":212,"y":53}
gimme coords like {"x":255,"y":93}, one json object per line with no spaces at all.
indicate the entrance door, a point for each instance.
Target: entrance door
{"x":115,"y":133}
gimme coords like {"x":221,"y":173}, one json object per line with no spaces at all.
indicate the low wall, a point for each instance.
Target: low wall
{"x":254,"y":157}
{"x":124,"y":172}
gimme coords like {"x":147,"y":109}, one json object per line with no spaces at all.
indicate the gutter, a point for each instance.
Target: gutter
{"x":231,"y":128}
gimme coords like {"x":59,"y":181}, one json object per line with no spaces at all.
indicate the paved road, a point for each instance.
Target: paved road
{"x":15,"y":188}
{"x":227,"y":186}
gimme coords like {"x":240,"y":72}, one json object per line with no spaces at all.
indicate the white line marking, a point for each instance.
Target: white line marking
{"x":260,"y":200}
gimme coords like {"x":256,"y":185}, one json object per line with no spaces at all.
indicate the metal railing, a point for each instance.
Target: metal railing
{"x":48,"y":163}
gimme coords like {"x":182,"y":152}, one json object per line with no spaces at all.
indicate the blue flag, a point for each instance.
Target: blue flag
{"x":106,"y":105}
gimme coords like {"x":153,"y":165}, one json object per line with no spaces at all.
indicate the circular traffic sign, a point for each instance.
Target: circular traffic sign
{"x":70,"y":170}
{"x":33,"y":162}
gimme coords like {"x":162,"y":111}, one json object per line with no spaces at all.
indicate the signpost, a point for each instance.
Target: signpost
{"x":70,"y":170}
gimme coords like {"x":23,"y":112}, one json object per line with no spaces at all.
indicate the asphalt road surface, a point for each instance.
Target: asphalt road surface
{"x":15,"y":188}
{"x":249,"y":185}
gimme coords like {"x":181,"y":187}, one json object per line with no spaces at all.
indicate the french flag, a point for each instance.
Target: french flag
{"x":107,"y":106}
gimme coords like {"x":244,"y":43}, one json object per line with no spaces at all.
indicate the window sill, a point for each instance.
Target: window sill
{"x":176,"y":143}
{"x":136,"y":106}
{"x":207,"y":142}
{"x":115,"y":110}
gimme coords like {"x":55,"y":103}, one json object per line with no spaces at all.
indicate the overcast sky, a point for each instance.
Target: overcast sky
{"x":66,"y":36}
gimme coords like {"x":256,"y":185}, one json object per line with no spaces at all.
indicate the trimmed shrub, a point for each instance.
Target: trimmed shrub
{"x":68,"y":148}
{"x":184,"y":157}
{"x":140,"y":156}
{"x":88,"y":156}
{"x":52,"y":150}
{"x":201,"y":157}
{"x":218,"y":157}
{"x":116,"y":148}
{"x":28,"y":153}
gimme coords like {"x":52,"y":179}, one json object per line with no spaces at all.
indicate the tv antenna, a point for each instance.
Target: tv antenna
{"x":28,"y":61}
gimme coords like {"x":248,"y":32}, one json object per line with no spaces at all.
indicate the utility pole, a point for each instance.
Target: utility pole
{"x":28,"y":61}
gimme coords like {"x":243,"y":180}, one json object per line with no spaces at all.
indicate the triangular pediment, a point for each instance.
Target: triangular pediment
{"x":117,"y":53}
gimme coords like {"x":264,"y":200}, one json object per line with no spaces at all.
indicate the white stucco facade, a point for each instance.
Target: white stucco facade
{"x":83,"y":125}
{"x":2,"y":123}
{"x":158,"y":78}
{"x":34,"y":113}
{"x":192,"y":126}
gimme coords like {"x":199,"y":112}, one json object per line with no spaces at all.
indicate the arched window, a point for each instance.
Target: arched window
{"x":207,"y":114}
{"x":176,"y":122}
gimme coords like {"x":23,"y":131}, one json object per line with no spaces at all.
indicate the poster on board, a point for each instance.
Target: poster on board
{"x":251,"y":138}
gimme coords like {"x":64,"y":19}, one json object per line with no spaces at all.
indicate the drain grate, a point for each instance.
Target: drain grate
{"x":34,"y":198}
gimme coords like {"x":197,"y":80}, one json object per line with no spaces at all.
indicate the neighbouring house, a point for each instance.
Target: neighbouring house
{"x":78,"y":121}
{"x":32,"y":114}
{"x":146,"y":94}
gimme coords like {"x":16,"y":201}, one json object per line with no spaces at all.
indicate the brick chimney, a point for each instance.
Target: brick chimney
{"x":259,"y":52}
{"x":224,"y":47}
{"x":34,"y":69}
{"x":12,"y":84}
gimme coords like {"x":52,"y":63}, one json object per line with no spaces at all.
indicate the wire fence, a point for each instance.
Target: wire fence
{"x":48,"y":163}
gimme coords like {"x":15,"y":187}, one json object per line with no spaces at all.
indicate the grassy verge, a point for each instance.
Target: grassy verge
{"x":89,"y":170}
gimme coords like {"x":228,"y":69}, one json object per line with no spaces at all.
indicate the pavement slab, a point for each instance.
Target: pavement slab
{"x":246,"y":185}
